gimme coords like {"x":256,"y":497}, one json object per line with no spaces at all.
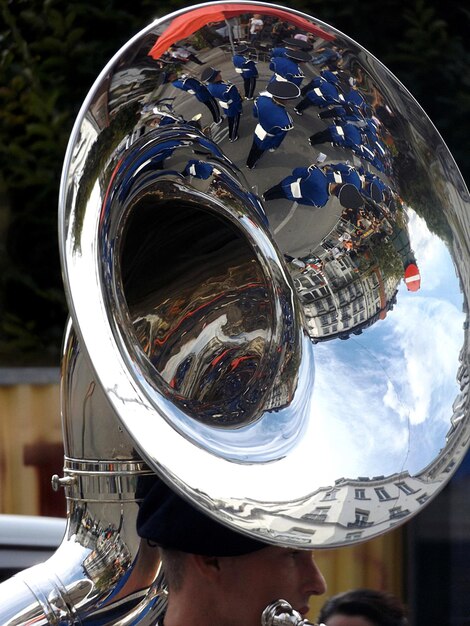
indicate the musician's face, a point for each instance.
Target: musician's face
{"x":253,"y":581}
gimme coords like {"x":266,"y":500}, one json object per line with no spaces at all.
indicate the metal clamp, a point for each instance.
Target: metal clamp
{"x":65,"y":481}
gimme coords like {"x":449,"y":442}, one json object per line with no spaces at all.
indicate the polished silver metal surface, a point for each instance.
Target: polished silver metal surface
{"x":102,"y":573}
{"x":281,"y":613}
{"x":295,"y":364}
{"x":268,"y":310}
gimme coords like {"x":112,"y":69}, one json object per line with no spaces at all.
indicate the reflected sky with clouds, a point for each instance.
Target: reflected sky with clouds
{"x":390,"y":391}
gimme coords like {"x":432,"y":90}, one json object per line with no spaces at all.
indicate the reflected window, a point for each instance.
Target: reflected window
{"x":382,"y":494}
{"x":330,"y":495}
{"x":405,"y":488}
{"x":353,"y":536}
{"x":318,"y":515}
{"x":397,"y":512}
{"x":302,"y":531}
{"x":449,"y":467}
{"x":361,"y":519}
{"x":423,"y":498}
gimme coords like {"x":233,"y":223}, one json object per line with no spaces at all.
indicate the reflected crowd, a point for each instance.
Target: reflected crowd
{"x":316,"y":132}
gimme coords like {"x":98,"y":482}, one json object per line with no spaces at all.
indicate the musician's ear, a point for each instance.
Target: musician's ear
{"x":207,"y":566}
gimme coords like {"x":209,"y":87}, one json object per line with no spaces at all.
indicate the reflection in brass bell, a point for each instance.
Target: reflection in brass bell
{"x":264,"y":246}
{"x":279,"y":260}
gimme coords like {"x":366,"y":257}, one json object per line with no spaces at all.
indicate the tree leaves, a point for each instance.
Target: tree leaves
{"x":50,"y":54}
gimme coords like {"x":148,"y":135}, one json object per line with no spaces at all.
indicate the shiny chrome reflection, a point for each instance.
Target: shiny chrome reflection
{"x":264,"y":243}
{"x":278,"y":261}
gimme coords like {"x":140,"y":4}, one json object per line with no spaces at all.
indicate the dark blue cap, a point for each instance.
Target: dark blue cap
{"x":171,"y":522}
{"x":209,"y":74}
{"x":283,"y":89}
{"x":349,"y":196}
{"x":300,"y":44}
{"x":375,"y":192}
{"x":298,"y":55}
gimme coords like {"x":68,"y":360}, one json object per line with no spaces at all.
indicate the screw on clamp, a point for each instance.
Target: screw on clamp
{"x":65,"y":481}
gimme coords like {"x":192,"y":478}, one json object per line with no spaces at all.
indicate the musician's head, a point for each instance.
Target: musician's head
{"x":216,"y":574}
{"x":363,"y":607}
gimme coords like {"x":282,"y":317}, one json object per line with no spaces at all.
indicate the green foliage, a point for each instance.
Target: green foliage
{"x":52,"y":51}
{"x":388,"y":259}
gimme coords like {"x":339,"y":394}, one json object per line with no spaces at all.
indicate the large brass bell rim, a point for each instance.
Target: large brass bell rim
{"x":329,"y":442}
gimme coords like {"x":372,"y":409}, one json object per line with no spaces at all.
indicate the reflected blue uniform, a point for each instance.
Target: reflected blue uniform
{"x":346,"y":135}
{"x":306,"y":185}
{"x":343,"y":173}
{"x":346,"y":112}
{"x":325,"y":75}
{"x":279,"y":51}
{"x":230,"y":102}
{"x":201,"y":92}
{"x":194,"y":87}
{"x":371,"y":179}
{"x":198,"y":169}
{"x":355,"y":97}
{"x":244,"y":66}
{"x":286,"y":69}
{"x":228,"y":96}
{"x":323,"y":93}
{"x":274,"y":120}
{"x":320,"y":93}
{"x":247,"y":69}
{"x":274,"y":124}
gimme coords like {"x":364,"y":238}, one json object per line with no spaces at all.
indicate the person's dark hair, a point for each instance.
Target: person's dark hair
{"x":379,"y":607}
{"x":173,"y":563}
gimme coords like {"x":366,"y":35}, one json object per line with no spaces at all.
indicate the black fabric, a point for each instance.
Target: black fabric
{"x":209,"y":74}
{"x":171,"y":522}
{"x":349,"y":196}
{"x":298,"y":55}
{"x":283,"y":89}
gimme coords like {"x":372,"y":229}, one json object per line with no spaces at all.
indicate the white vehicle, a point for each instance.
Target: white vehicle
{"x":26,"y":540}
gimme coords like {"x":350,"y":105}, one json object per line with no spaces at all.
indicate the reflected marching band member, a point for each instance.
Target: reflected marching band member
{"x":196,"y":88}
{"x":312,"y":187}
{"x":321,"y":92}
{"x":246,"y":67}
{"x":274,"y":122}
{"x":349,"y":136}
{"x":287,"y":67}
{"x":344,"y":135}
{"x":228,"y":97}
{"x":328,"y":75}
{"x":369,"y":185}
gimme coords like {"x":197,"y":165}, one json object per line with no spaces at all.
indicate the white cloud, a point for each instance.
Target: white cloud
{"x":426,"y":336}
{"x":383,"y":401}
{"x":433,"y":258}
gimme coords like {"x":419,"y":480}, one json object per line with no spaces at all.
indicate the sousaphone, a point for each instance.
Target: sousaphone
{"x":286,"y":344}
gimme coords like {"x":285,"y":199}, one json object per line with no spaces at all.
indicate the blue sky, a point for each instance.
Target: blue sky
{"x":385,"y":397}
